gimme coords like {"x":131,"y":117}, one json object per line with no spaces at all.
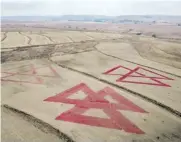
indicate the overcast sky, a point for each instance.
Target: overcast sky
{"x":90,"y":7}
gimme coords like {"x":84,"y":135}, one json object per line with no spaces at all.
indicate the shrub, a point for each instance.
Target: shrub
{"x":154,"y":35}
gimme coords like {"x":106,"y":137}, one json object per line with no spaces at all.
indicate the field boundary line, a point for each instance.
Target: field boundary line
{"x":40,"y":123}
{"x":28,"y":37}
{"x":5,"y":36}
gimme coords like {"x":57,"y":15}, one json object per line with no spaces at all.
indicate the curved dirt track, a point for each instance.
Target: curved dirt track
{"x":29,"y":39}
{"x":3,"y":36}
{"x":14,"y":125}
{"x":48,"y":37}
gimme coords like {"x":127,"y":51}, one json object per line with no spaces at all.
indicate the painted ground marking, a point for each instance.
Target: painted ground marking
{"x":32,"y":72}
{"x":156,"y":79}
{"x":97,"y":100}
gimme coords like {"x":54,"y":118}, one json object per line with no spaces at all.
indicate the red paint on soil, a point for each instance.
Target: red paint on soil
{"x":33,"y":73}
{"x":155,"y":80}
{"x":97,"y":100}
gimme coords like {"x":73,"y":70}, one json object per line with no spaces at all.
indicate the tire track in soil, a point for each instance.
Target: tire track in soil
{"x":47,"y":37}
{"x":70,"y":39}
{"x":4,"y":36}
{"x":28,"y":37}
{"x":91,"y":37}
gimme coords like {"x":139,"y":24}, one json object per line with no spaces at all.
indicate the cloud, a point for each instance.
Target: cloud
{"x":21,"y":7}
{"x":90,"y":7}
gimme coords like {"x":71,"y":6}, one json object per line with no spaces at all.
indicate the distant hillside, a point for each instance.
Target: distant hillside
{"x":150,"y":18}
{"x":98,"y":18}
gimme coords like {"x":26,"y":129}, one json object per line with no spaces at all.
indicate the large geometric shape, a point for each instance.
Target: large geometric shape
{"x":97,"y":100}
{"x":31,"y":73}
{"x":153,"y":77}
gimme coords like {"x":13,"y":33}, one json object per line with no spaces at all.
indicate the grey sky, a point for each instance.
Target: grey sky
{"x":90,"y":7}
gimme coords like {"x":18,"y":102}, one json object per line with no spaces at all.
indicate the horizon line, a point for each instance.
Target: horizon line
{"x":88,"y":15}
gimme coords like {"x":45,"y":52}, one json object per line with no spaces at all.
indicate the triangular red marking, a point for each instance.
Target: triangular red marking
{"x":33,"y":73}
{"x":139,"y":75}
{"x":97,"y":101}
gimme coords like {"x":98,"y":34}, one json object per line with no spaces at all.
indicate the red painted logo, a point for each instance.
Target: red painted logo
{"x":150,"y":77}
{"x":31,"y":72}
{"x":97,"y":100}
